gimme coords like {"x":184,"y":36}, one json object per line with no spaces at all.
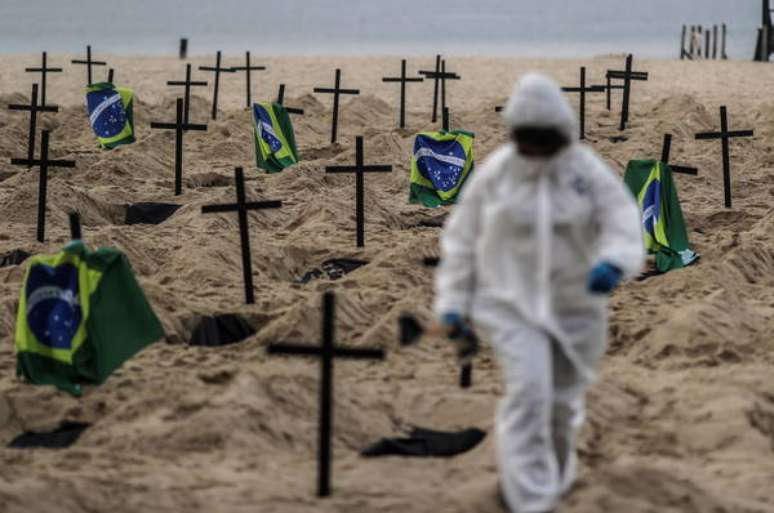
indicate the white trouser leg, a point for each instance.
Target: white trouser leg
{"x":529,"y":471}
{"x":567,"y":415}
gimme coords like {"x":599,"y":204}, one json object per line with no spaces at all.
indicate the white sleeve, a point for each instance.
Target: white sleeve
{"x":617,"y":215}
{"x":455,"y":276}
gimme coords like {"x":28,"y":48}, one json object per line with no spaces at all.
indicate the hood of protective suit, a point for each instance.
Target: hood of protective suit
{"x":537,"y":101}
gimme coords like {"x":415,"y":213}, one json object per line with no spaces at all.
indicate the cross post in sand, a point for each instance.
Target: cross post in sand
{"x":180,"y":127}
{"x":627,"y":76}
{"x":439,"y":76}
{"x":44,"y":163}
{"x":666,"y":149}
{"x":403,"y":81}
{"x":725,"y":136}
{"x":281,"y":101}
{"x":217,"y":69}
{"x":187,"y":84}
{"x":582,"y":90}
{"x":111,"y":76}
{"x":88,"y":63}
{"x":33,"y":108}
{"x":248,"y":69}
{"x":336,"y":92}
{"x":445,"y":119}
{"x":43,"y":70}
{"x":242,"y":207}
{"x":75,"y":226}
{"x":360,"y":169}
{"x":327,"y":352}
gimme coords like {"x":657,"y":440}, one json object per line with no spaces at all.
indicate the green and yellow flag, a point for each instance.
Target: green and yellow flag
{"x":440,"y":164}
{"x":275,"y":142}
{"x":664,"y":228}
{"x":81,"y":315}
{"x":111,"y":114}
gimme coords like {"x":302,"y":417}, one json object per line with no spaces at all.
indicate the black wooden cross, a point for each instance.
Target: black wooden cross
{"x":627,"y":76}
{"x":218,"y":69}
{"x":44,"y":163}
{"x":281,"y":101}
{"x":89,"y":63}
{"x":180,"y":127}
{"x":187,"y":84}
{"x":33,"y":108}
{"x":724,"y":135}
{"x":43,"y":70}
{"x":242,"y":207}
{"x":440,"y":76}
{"x":359,"y":169}
{"x":336,"y":91}
{"x":582,"y":90}
{"x":665,"y":151}
{"x":403,"y":81}
{"x":75,"y":226}
{"x":248,"y":69}
{"x":328,"y":351}
{"x":111,"y":76}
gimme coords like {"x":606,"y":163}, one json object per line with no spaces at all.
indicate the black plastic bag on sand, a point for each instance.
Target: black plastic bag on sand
{"x":221,"y":330}
{"x":63,"y":436}
{"x":426,"y":443}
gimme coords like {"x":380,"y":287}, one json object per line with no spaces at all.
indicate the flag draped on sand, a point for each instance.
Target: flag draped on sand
{"x":81,"y":315}
{"x":111,"y":114}
{"x":275,"y":142}
{"x":663,"y":225}
{"x":440,"y":165}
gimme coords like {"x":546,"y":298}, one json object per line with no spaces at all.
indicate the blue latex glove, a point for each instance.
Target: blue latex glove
{"x":604,"y":278}
{"x":462,"y":333}
{"x":456,"y":324}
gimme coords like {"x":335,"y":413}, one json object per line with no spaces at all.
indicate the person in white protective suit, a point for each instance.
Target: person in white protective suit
{"x":543,"y":232}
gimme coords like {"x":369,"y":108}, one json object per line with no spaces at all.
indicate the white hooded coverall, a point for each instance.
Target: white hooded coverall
{"x":516,"y":254}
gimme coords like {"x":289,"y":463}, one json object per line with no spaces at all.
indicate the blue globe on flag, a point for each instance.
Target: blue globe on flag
{"x":265,"y":128}
{"x":106,"y":112}
{"x":53,"y":310}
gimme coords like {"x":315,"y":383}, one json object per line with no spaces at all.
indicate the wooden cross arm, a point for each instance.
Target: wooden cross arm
{"x":339,"y":352}
{"x":45,"y":108}
{"x":590,"y":89}
{"x":246,"y":68}
{"x":93,"y":63}
{"x":291,"y":110}
{"x":447,"y":76}
{"x":173,"y":126}
{"x":233,"y":207}
{"x":353,"y":169}
{"x":47,"y":70}
{"x":684,"y":170}
{"x":333,"y":91}
{"x":635,"y":75}
{"x":183,"y":83}
{"x":399,"y":79}
{"x":38,"y":162}
{"x":720,"y":135}
{"x":221,"y":70}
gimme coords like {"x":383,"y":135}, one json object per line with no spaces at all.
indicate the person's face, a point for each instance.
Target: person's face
{"x":538,"y":142}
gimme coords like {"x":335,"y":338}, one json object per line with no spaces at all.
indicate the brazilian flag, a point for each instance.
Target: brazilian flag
{"x":81,"y":315}
{"x":111,"y":114}
{"x":275,"y":142}
{"x":663,"y":225}
{"x":440,"y":164}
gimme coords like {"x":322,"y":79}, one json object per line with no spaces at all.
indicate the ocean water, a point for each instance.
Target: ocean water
{"x":534,"y":28}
